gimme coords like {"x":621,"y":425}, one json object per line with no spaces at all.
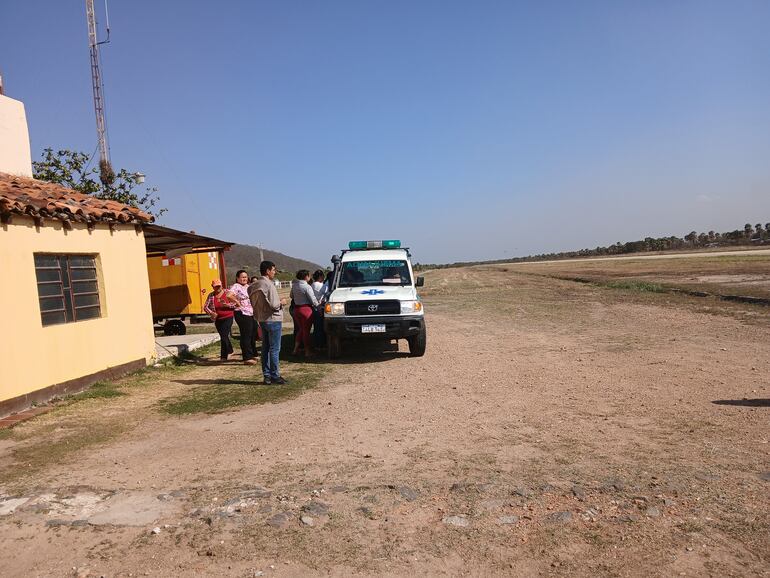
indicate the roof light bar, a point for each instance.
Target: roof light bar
{"x":388,"y":244}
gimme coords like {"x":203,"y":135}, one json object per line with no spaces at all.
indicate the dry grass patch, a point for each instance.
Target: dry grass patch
{"x":109,"y":409}
{"x":31,"y":458}
{"x":747,"y":275}
{"x":225,"y":394}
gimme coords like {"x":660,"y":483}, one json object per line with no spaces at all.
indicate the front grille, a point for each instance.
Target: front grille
{"x":373,"y":307}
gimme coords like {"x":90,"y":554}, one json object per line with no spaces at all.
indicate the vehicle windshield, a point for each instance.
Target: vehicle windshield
{"x":360,"y":273}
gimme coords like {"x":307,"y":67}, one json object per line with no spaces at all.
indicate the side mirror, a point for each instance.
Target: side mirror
{"x":335,"y":259}
{"x":420,"y":282}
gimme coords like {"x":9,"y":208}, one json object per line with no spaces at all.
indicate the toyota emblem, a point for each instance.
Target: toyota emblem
{"x":373,"y":308}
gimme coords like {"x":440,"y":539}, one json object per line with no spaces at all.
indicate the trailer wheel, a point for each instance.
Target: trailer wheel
{"x":333,"y":346}
{"x":174,"y":327}
{"x":417,"y":343}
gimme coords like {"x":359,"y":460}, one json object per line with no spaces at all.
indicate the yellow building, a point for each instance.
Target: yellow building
{"x":75,"y":291}
{"x":75,"y":294}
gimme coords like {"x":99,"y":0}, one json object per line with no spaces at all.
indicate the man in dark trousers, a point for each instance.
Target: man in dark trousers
{"x":268,"y":311}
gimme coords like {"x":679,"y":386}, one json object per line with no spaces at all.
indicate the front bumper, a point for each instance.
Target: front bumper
{"x":396,"y":326}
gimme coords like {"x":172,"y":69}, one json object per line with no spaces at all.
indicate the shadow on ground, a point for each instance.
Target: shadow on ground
{"x":206,"y":362}
{"x":255,"y":381}
{"x":369,"y":351}
{"x":760,"y":402}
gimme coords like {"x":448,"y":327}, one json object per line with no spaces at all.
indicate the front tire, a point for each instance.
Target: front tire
{"x":417,"y":343}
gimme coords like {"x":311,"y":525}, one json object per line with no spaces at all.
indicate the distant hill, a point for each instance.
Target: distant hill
{"x":247,"y":257}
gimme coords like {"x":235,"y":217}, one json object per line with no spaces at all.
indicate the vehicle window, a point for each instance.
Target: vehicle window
{"x":360,"y":273}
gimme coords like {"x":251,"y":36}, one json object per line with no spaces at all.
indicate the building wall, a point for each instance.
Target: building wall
{"x":35,"y":357}
{"x":15,"y":158}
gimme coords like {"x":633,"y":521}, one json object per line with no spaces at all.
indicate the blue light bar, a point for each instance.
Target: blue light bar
{"x":389,"y":244}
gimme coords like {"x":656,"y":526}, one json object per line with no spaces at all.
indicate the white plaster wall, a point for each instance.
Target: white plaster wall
{"x":15,"y":157}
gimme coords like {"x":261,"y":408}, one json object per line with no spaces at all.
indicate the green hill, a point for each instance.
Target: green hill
{"x":247,"y":257}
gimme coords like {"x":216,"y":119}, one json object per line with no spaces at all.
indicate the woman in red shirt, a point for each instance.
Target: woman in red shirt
{"x":220,"y":306}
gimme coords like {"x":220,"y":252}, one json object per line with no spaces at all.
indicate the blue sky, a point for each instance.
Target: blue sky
{"x":470,"y":130}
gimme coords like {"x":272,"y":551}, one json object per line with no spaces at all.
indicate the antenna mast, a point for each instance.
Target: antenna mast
{"x":106,"y":174}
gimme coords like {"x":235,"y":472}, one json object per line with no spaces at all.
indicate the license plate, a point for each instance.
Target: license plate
{"x":379,"y":328}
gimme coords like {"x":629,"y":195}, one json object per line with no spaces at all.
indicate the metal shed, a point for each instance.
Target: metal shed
{"x":181,"y":267}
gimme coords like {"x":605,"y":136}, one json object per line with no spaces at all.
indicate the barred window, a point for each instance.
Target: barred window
{"x":67,"y":287}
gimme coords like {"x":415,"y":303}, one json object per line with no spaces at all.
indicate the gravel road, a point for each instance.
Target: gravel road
{"x":552,"y":428}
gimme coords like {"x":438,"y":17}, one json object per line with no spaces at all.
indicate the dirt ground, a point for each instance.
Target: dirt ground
{"x":743,"y":273}
{"x":552,"y":428}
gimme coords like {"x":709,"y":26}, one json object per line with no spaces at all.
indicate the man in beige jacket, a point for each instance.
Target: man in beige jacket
{"x":268,"y":311}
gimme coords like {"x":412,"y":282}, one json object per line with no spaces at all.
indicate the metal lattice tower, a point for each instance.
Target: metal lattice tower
{"x":106,"y":174}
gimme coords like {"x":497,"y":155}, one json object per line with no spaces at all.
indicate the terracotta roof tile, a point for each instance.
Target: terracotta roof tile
{"x":30,"y":197}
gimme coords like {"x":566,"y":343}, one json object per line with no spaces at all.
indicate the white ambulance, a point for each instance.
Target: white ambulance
{"x":374,"y":294}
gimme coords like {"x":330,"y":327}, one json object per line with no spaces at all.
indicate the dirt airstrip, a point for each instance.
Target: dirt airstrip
{"x":553,"y":428}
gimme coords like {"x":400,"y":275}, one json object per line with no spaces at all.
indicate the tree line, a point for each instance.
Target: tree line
{"x":749,"y":235}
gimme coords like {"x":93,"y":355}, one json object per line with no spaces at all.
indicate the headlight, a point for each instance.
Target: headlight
{"x":334,"y":309}
{"x":411,"y":306}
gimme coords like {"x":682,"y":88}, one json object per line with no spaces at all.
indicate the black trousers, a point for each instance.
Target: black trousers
{"x":223,"y":328}
{"x":319,"y":335}
{"x":248,"y":329}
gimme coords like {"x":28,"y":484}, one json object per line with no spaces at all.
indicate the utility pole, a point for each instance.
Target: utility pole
{"x":261,"y":253}
{"x":106,"y":174}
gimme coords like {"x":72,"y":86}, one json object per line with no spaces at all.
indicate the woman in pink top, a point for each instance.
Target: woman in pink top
{"x":244,"y":317}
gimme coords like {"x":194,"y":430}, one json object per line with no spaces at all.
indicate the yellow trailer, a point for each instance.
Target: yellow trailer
{"x":179,"y":287}
{"x":180,"y":283}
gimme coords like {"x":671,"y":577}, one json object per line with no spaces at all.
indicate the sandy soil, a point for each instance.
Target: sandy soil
{"x":553,"y":428}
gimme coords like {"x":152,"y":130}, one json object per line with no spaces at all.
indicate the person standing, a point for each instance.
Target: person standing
{"x":318,"y":284}
{"x":220,"y":305}
{"x":305,"y":303}
{"x":257,"y":329}
{"x":244,"y":317}
{"x":268,"y":311}
{"x":319,"y":337}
